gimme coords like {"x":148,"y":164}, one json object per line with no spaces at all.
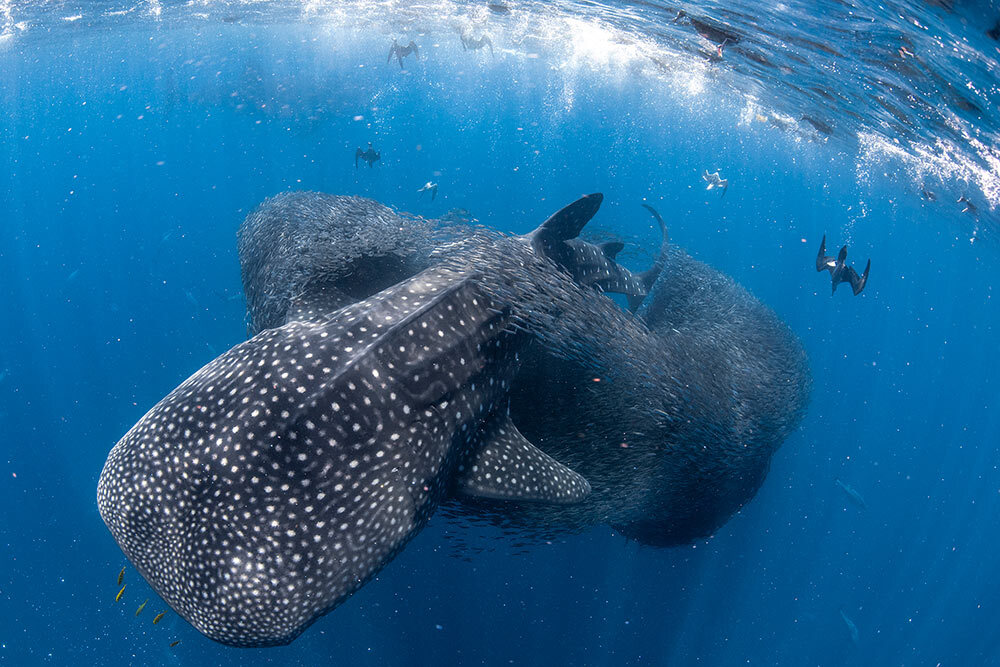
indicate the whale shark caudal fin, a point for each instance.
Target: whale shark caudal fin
{"x":507,"y":467}
{"x":648,"y":277}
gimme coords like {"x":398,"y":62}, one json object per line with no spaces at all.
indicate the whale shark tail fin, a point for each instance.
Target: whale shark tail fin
{"x":648,"y":277}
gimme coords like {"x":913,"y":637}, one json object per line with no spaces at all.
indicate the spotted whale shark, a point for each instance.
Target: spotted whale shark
{"x":673,"y":446}
{"x":349,"y":247}
{"x":273,"y":483}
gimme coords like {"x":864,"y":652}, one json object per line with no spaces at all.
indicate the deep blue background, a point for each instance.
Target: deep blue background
{"x":128,"y":160}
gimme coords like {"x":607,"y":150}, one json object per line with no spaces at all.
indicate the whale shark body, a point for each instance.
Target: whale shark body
{"x":278,"y":479}
{"x":679,"y":432}
{"x":349,"y":247}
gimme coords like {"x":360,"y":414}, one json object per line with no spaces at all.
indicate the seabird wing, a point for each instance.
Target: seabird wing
{"x":858,"y":282}
{"x":823,"y":261}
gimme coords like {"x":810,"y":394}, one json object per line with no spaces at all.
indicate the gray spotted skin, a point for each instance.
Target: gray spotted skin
{"x":274,"y":482}
{"x":679,"y":433}
{"x":348,"y":248}
{"x":300,"y":248}
{"x":487,"y":472}
{"x":589,"y":264}
{"x":592,"y":266}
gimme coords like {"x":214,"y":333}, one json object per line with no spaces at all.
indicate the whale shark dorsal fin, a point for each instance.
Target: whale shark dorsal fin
{"x":611,"y":248}
{"x":506,"y":466}
{"x":569,"y":221}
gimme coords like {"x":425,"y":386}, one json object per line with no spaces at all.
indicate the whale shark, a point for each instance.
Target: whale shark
{"x":350,"y":247}
{"x":675,"y":436}
{"x":278,"y":479}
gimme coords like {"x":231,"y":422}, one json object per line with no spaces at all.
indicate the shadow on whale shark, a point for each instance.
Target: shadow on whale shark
{"x":279,"y":478}
{"x":673,"y":446}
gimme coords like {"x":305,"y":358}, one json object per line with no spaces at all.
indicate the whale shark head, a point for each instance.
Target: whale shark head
{"x":279,"y":478}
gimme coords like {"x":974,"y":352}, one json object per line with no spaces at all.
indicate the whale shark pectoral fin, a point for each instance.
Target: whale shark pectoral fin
{"x":506,"y":466}
{"x":569,"y":221}
{"x":611,"y":248}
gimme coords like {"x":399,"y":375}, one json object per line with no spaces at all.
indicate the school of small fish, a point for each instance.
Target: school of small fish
{"x":156,"y":619}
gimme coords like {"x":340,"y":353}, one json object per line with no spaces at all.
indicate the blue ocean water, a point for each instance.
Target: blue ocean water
{"x":136,"y":137}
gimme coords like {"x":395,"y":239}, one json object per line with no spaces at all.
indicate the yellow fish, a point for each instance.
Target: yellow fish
{"x":121,"y":575}
{"x":120,"y":593}
{"x":159,"y":617}
{"x":173,"y":644}
{"x":141,"y":607}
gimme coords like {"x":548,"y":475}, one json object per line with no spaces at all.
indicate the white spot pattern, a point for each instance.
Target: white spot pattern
{"x":274,"y":482}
